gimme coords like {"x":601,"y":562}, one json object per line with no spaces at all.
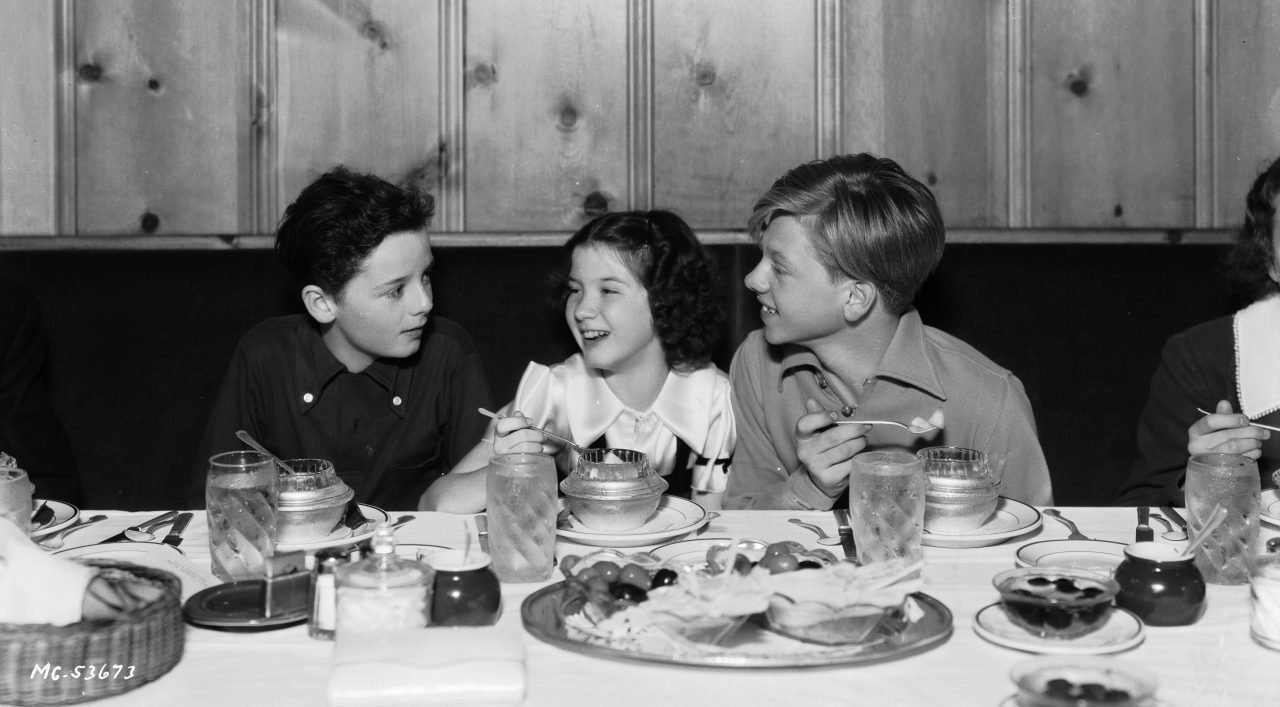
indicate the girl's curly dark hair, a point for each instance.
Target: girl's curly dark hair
{"x":662,"y":252}
{"x":1251,"y":261}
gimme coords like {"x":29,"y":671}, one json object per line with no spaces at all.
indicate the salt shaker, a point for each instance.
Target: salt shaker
{"x":324,"y":592}
{"x":383,"y":592}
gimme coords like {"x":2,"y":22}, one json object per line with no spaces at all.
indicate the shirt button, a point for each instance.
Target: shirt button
{"x":396,"y":400}
{"x":307,"y":397}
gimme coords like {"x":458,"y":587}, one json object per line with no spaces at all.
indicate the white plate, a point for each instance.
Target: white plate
{"x":1269,"y":511}
{"x":64,"y":514}
{"x":1011,"y":519}
{"x":1096,"y":555}
{"x":675,"y":517}
{"x":155,"y":555}
{"x":343,"y":535}
{"x":693,"y":553}
{"x":1121,"y":632}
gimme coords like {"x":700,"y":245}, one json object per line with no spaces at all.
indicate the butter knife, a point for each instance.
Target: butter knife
{"x":122,"y":537}
{"x":482,"y":532}
{"x":174,"y":537}
{"x":1175,"y":517}
{"x":846,"y":534}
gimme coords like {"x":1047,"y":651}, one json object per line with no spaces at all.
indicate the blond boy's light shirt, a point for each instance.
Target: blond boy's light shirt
{"x":574,"y":401}
{"x":924,"y":370}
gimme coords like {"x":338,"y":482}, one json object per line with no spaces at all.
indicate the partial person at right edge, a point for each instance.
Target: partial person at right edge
{"x":1225,"y":365}
{"x":846,"y":244}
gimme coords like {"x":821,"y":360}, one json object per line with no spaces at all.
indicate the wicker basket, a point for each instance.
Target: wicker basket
{"x":38,"y":662}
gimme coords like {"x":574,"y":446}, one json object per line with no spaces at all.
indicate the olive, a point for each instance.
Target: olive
{"x":587,"y":573}
{"x":742,"y":565}
{"x":597,"y":585}
{"x":777,"y":549}
{"x":608,"y":570}
{"x":635,"y":575}
{"x":664,"y":578}
{"x":783,"y":563}
{"x":628,"y":592}
{"x":809,"y":565}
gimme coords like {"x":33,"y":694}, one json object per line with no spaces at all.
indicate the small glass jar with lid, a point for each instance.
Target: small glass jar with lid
{"x":383,"y":592}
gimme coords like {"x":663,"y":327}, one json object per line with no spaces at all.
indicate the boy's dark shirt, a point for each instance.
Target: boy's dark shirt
{"x":30,"y":430}
{"x":390,"y":430}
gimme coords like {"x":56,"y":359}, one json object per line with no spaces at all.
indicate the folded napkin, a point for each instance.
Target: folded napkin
{"x":36,"y":587}
{"x":446,"y":666}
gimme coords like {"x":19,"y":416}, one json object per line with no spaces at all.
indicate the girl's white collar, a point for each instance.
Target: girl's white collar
{"x":1257,"y":342}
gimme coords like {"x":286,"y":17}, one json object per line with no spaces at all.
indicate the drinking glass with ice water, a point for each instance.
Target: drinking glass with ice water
{"x":241,"y":495}
{"x":1232,"y":481}
{"x":520,"y":493}
{"x":886,"y":505}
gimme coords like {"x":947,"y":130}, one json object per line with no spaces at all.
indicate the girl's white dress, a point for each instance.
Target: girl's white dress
{"x":574,"y":401}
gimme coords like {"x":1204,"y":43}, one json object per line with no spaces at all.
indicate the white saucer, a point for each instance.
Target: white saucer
{"x":1011,"y":519}
{"x":155,"y":555}
{"x":675,"y":517}
{"x":1121,"y":632}
{"x":693,"y":553}
{"x":64,"y":514}
{"x":1269,"y":509}
{"x":1094,"y":555}
{"x":343,"y":535}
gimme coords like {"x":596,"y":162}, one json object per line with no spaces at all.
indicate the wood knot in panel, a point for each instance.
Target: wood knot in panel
{"x":90,"y":71}
{"x":704,"y":73}
{"x":376,"y":33}
{"x":595,"y":204}
{"x":1078,"y":82}
{"x":149,"y":222}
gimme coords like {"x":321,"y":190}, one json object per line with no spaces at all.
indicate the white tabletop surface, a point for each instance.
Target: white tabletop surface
{"x":1214,"y":662}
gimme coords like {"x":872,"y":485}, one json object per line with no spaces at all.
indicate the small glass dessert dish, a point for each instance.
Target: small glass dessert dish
{"x":613,"y":490}
{"x":1056,"y":602}
{"x":963,"y":490}
{"x":312,"y":501}
{"x":1057,"y":681}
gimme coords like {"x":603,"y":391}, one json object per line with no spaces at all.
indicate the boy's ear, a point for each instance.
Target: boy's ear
{"x":319,"y":305}
{"x":860,"y":299}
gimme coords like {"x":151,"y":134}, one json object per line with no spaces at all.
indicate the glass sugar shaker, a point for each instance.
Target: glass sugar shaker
{"x":324,"y":589}
{"x":383,"y":592}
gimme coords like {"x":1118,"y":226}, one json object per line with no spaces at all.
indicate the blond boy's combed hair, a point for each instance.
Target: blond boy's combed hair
{"x":866,"y":218}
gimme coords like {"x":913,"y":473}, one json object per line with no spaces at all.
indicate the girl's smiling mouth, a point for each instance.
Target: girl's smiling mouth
{"x":593,"y":334}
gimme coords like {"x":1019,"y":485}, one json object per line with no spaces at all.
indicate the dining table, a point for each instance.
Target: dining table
{"x":1211,"y":662}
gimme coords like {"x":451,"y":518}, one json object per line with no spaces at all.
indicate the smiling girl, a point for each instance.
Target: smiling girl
{"x":642,"y":301}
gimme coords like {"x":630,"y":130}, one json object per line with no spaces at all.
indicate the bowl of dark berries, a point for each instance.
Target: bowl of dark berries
{"x":1059,"y":681}
{"x":1056,"y":602}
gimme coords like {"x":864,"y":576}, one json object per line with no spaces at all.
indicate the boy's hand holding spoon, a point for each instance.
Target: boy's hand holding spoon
{"x":827,"y":449}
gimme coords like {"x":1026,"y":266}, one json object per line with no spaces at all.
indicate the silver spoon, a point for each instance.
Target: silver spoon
{"x":823,"y":538}
{"x":1075,"y":533}
{"x":576,"y":447}
{"x":55,"y":540}
{"x":1170,"y":533}
{"x":249,"y":440}
{"x":142,"y":532}
{"x":917,"y":426}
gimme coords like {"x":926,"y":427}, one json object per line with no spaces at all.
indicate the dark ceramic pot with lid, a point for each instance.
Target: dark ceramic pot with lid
{"x":1160,"y":585}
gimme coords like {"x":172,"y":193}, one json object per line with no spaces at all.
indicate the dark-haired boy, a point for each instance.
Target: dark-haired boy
{"x":366,"y":379}
{"x":846,"y":244}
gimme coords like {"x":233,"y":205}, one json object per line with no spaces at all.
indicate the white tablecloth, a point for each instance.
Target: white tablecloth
{"x":1214,"y":662}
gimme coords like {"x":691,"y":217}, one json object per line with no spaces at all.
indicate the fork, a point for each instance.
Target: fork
{"x":576,"y":447}
{"x":917,"y":426}
{"x":57,"y":539}
{"x":1075,"y":533}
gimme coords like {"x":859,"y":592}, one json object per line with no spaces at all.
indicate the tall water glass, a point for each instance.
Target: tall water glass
{"x":1232,"y":481}
{"x":886,"y":505}
{"x":1264,"y":601}
{"x":520,"y":494}
{"x":241,"y":495}
{"x":15,"y":497}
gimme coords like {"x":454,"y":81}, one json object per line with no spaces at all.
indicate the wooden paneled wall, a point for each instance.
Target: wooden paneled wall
{"x":187,"y":123}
